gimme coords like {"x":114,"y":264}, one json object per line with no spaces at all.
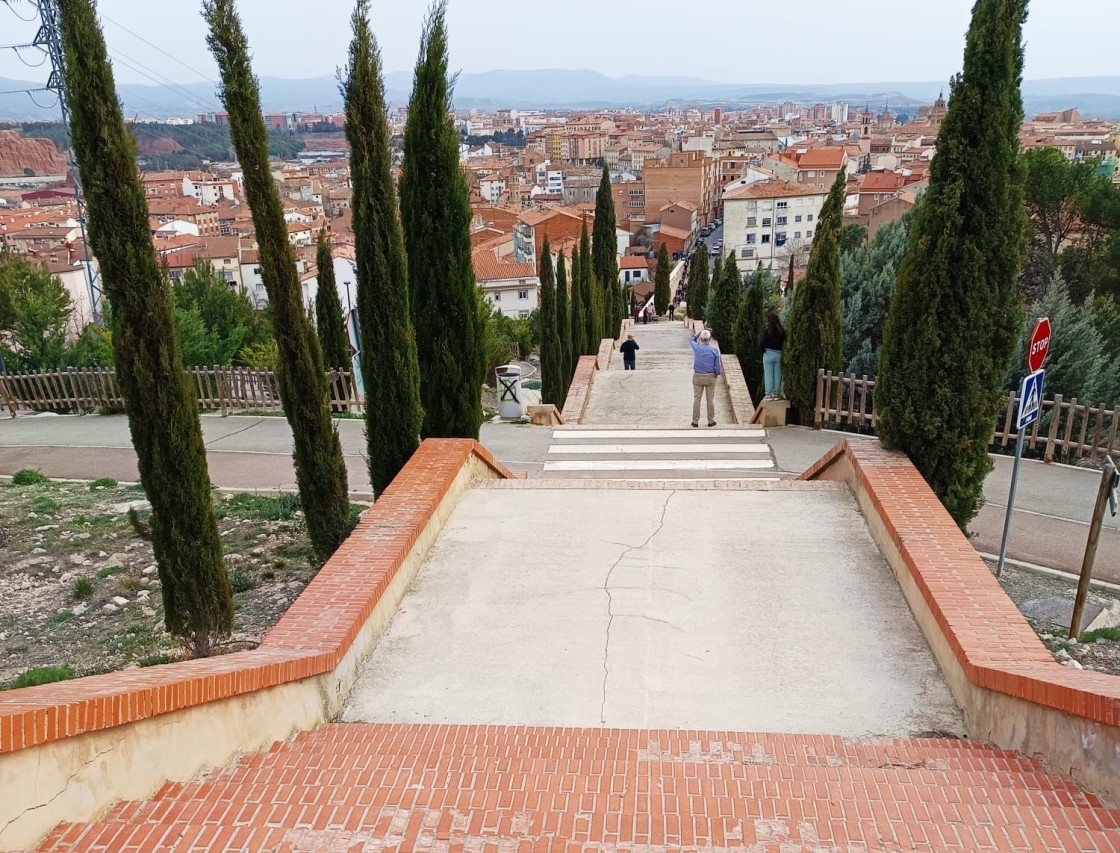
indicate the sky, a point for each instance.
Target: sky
{"x":733,"y":41}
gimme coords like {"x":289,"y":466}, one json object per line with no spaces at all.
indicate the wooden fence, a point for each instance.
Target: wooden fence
{"x":1067,"y":431}
{"x":225,"y":389}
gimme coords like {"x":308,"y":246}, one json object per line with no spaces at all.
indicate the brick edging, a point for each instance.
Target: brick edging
{"x":991,"y":640}
{"x":309,"y":640}
{"x":576,"y":402}
{"x":740,"y":398}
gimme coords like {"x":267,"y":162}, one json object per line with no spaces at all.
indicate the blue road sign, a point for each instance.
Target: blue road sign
{"x":1030,"y":399}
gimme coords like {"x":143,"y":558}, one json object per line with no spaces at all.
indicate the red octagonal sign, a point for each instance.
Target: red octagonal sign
{"x":1039,"y":344}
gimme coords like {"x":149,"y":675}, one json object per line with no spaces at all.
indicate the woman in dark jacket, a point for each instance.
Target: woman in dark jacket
{"x":773,"y":339}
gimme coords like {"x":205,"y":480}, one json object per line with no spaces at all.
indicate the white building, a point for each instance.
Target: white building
{"x":759,"y":219}
{"x":839,"y":112}
{"x":512,"y":288}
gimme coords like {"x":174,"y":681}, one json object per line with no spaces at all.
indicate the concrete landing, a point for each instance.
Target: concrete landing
{"x":657,"y":608}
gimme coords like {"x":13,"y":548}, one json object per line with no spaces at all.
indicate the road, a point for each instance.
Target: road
{"x":1049,"y":527}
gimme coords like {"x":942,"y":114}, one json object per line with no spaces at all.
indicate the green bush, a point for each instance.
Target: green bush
{"x":241,"y":580}
{"x":1112,"y":634}
{"x":108,"y":570}
{"x":259,"y":507}
{"x":103,"y":483}
{"x":156,"y":659}
{"x":43,"y":675}
{"x":29,"y":477}
{"x":82,"y":588}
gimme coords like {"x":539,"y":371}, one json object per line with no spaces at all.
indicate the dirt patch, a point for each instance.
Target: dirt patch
{"x":1028,"y":589}
{"x":79,"y":587}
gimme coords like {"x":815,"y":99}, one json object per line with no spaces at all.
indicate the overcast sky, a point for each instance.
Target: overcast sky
{"x":736,"y":41}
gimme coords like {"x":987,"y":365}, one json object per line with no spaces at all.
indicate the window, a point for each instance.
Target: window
{"x":497,"y":297}
{"x":811,"y":174}
{"x":765,"y":238}
{"x":747,"y":253}
{"x":809,"y":233}
{"x":752,"y":239}
{"x":782,"y":220}
{"x":796,"y":235}
{"x":522,"y":294}
{"x":797,"y":218}
{"x":766,"y":222}
{"x":752,"y":221}
{"x":782,"y":205}
{"x":256,"y":270}
{"x":780,"y":238}
{"x":524,"y":315}
{"x":809,"y":218}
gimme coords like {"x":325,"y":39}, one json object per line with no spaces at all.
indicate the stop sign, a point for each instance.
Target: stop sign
{"x":1038,"y":344}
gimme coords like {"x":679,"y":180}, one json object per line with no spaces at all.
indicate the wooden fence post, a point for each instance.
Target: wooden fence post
{"x":818,"y":421}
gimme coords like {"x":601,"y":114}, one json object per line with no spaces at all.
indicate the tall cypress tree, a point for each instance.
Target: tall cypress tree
{"x":728,"y":294}
{"x":592,"y":299}
{"x":604,"y":247}
{"x":436,"y":212}
{"x":579,"y":310}
{"x":328,"y":309}
{"x":748,"y":332}
{"x":955,"y":315}
{"x":816,"y":326}
{"x":713,"y":286}
{"x":320,"y":470}
{"x":564,"y":325}
{"x":696,"y":295}
{"x":661,"y":294}
{"x":390,"y":370}
{"x":552,"y":372}
{"x":162,"y":407}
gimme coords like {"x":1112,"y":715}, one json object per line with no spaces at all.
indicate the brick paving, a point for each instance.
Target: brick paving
{"x":360,"y":788}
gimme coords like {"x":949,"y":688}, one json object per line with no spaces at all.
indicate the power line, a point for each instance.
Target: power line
{"x":166,"y":83}
{"x":157,"y":47}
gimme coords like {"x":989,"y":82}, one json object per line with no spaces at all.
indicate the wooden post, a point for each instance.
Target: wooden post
{"x":1108,"y":479}
{"x":817,"y":419}
{"x":1052,"y":437}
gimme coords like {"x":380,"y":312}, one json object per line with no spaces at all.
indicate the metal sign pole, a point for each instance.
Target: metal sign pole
{"x":1030,"y":408}
{"x":1010,"y":504}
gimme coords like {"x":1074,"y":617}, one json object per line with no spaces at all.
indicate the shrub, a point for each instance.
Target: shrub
{"x":103,"y":483}
{"x":29,"y":477}
{"x":43,"y":675}
{"x":241,"y":580}
{"x":260,"y":507}
{"x":108,"y":570}
{"x":82,"y":588}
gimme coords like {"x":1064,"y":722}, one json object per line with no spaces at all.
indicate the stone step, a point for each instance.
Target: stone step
{"x":687,"y":433}
{"x":690,"y":465}
{"x":359,"y":787}
{"x":605,"y":449}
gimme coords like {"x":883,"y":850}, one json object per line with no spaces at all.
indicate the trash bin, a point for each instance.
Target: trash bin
{"x":510,"y":402}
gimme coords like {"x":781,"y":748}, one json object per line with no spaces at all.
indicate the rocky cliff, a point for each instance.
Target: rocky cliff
{"x":33,"y":157}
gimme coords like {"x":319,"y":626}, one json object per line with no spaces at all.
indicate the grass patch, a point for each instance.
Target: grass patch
{"x":59,"y":618}
{"x":1101,"y":634}
{"x":82,"y":589}
{"x":130,"y":584}
{"x":109,"y":570}
{"x":259,"y":507}
{"x":156,"y":659}
{"x":29,"y":477}
{"x":43,"y":675}
{"x":103,"y":483}
{"x":23,"y":648}
{"x":44,"y":504}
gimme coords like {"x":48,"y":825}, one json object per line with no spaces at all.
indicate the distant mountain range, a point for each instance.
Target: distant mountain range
{"x":1097,"y":97}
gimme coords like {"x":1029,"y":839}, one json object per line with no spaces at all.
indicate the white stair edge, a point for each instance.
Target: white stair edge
{"x":660,"y":465}
{"x":669,"y":449}
{"x":689,"y":432}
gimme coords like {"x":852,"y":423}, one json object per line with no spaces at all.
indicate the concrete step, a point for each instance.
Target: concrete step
{"x":421,"y":787}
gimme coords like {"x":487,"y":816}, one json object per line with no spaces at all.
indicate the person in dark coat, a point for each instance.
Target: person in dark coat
{"x":629,"y":350}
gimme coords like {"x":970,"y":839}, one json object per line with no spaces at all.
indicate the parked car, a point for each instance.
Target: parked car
{"x":714,"y":250}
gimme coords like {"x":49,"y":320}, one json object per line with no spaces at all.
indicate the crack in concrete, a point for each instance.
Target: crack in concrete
{"x":610,"y":601}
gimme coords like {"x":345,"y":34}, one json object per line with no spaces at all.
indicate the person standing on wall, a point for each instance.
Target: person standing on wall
{"x":706,"y":368}
{"x":629,"y":350}
{"x":773,"y":339}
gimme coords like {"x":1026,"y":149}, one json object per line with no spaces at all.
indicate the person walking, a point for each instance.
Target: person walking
{"x":629,"y":350}
{"x":672,"y":309}
{"x":773,"y":339}
{"x":706,"y":368}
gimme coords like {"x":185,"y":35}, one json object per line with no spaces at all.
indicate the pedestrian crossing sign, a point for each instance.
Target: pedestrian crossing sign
{"x":1030,"y":399}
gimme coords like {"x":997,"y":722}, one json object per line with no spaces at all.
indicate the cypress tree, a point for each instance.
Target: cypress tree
{"x":592,"y":299}
{"x":162,"y":407}
{"x":579,"y":310}
{"x":564,"y":325}
{"x":955,"y":315}
{"x":604,"y":247}
{"x":436,"y":212}
{"x":328,"y":309}
{"x":552,"y":371}
{"x":390,"y":370}
{"x":320,"y":471}
{"x":725,"y":314}
{"x":661,"y":294}
{"x":748,"y":332}
{"x":696,"y":294}
{"x":713,"y":286}
{"x":816,"y":329}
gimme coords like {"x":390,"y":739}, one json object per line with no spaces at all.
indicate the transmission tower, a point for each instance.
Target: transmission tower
{"x":49,"y":39}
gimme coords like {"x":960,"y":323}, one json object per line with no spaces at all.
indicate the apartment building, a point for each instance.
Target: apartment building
{"x":686,"y":176}
{"x":761,"y":218}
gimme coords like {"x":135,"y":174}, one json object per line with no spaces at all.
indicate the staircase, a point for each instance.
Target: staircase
{"x":372,"y":787}
{"x":660,"y":454}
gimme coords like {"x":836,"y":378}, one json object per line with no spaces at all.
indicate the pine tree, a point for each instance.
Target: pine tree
{"x":592,"y":298}
{"x":954,"y":316}
{"x":579,"y":310}
{"x":661,"y":293}
{"x":604,"y":247}
{"x":390,"y":370}
{"x":552,"y":371}
{"x":564,"y":325}
{"x":816,"y":329}
{"x":161,"y":406}
{"x":748,"y":332}
{"x":436,"y":212}
{"x":696,"y":295}
{"x":320,"y":470}
{"x":328,"y":309}
{"x":725,"y":314}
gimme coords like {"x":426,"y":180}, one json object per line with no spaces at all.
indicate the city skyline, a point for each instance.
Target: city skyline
{"x":171,"y":46}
